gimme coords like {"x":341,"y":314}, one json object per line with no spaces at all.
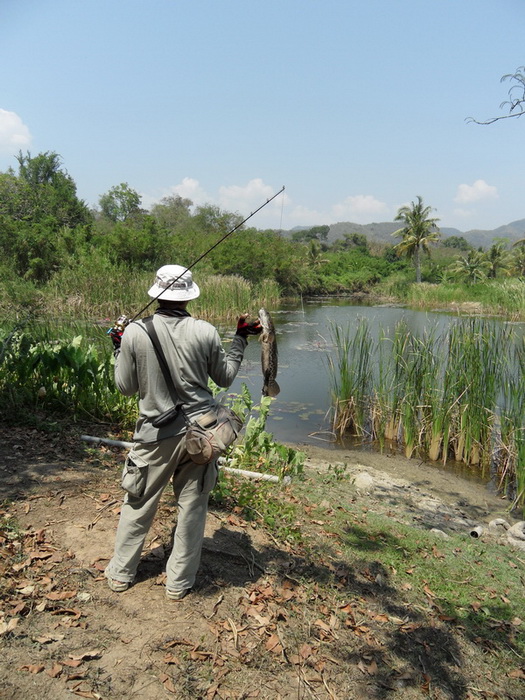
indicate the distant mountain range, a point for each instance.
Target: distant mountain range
{"x":382,"y":232}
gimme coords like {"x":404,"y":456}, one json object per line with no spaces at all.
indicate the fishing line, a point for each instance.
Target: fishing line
{"x":208,"y":252}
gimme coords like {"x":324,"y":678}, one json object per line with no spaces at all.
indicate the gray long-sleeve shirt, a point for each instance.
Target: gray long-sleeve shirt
{"x":193,"y":352}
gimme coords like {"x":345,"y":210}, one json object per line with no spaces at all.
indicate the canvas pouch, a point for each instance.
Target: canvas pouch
{"x":210,"y":435}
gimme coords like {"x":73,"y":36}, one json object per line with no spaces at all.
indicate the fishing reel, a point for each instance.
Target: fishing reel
{"x":117,"y":330}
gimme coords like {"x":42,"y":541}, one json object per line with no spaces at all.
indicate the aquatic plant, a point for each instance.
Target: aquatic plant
{"x":438,"y":396}
{"x":351,"y":374}
{"x":509,"y":458}
{"x":70,"y":375}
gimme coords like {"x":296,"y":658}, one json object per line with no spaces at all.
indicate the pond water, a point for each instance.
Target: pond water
{"x":301,"y":412}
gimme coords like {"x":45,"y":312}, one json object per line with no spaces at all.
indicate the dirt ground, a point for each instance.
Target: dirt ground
{"x":230,"y":638}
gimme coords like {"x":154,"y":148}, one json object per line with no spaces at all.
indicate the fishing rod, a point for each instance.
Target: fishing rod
{"x":122,"y":322}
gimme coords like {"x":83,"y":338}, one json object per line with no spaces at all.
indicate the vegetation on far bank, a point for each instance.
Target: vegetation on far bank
{"x":60,"y":258}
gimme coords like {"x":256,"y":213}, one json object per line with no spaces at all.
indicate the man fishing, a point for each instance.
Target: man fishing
{"x":193,"y":353}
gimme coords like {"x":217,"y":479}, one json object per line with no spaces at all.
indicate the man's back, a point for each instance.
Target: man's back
{"x":193,"y":351}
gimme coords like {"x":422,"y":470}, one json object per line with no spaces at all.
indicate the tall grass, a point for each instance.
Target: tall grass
{"x":96,"y":288}
{"x":225,"y":297}
{"x":448,"y":396}
{"x":503,"y":297}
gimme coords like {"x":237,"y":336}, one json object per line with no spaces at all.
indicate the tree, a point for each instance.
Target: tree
{"x":314,"y":254}
{"x":417,"y":234}
{"x":211,"y":219}
{"x":316,"y":233}
{"x":518,"y":260}
{"x":41,"y":218}
{"x":497,"y":259}
{"x":120,"y":203}
{"x":516,"y":102}
{"x":459,"y":242}
{"x":42,"y":190}
{"x":471,"y":268}
{"x":135,"y":245}
{"x":171,"y":211}
{"x":351,"y":240}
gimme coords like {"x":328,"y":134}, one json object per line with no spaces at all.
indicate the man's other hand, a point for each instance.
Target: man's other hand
{"x":244,"y":329}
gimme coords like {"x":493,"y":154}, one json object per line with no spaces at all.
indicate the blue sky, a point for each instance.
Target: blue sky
{"x":356,"y":106}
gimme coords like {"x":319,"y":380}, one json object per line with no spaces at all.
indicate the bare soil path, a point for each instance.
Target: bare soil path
{"x":73,"y":636}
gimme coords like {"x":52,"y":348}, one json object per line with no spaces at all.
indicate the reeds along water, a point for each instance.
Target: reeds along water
{"x":350,"y":374}
{"x":456,"y":395}
{"x":510,"y":451}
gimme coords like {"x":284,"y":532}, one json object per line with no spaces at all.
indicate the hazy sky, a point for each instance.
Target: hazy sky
{"x":356,"y":106}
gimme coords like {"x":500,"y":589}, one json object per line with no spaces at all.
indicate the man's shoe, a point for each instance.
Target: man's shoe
{"x":117,"y":586}
{"x":177,"y":595}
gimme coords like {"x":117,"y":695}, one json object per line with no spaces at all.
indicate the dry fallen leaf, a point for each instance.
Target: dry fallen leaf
{"x":33,"y":668}
{"x":49,"y":638}
{"x":72,"y":663}
{"x":19,"y":607}
{"x":18,"y":567}
{"x":61,"y":595}
{"x":6,"y":627}
{"x":370,"y":668}
{"x":40,"y":555}
{"x":517,"y":673}
{"x":200,"y":655}
{"x":171,"y":659}
{"x":305,"y":650}
{"x":167,"y":683}
{"x":68,"y":611}
{"x":26,"y":590}
{"x":428,"y":592}
{"x":212,"y":691}
{"x":273,"y":644}
{"x":86,"y":655}
{"x":75,"y":676}
{"x":55,"y":671}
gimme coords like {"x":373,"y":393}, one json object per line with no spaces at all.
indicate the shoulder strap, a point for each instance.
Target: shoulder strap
{"x":152,"y":333}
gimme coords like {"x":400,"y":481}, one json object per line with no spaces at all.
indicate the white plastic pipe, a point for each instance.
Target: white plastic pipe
{"x":259,"y":476}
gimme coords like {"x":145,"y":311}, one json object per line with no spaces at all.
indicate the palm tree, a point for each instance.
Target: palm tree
{"x":313,"y":254}
{"x":497,"y":258}
{"x":518,"y":260}
{"x":418,"y":232}
{"x":471,"y":268}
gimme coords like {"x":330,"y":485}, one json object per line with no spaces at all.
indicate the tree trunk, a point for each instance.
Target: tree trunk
{"x":417,"y":263}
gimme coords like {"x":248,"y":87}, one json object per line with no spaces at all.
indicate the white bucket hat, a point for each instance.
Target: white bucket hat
{"x":183,"y":289}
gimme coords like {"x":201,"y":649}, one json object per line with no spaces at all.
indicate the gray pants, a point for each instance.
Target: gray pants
{"x":192,"y":483}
